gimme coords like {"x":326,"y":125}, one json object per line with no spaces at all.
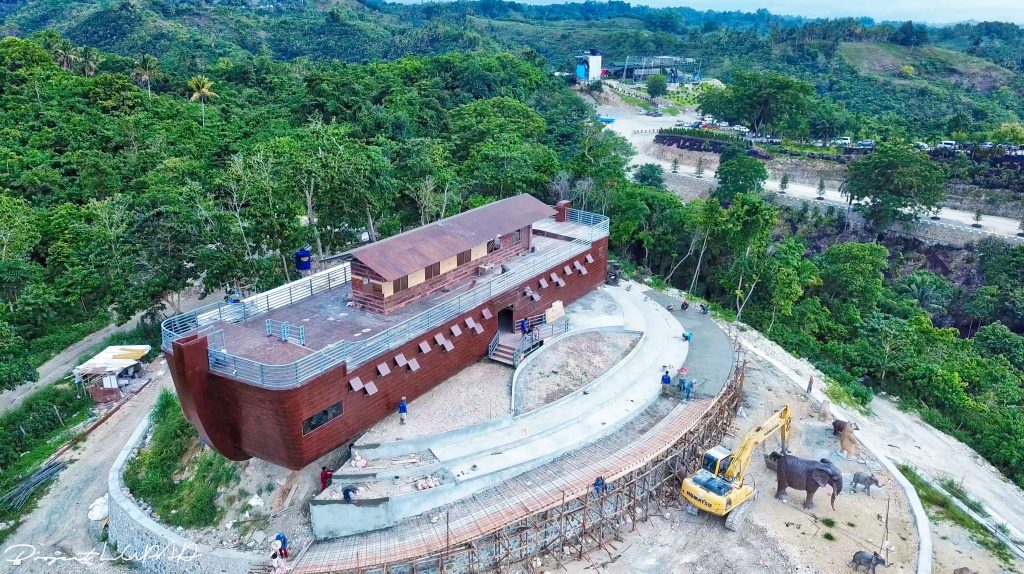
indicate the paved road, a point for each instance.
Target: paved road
{"x":640,"y":131}
{"x":711,"y":361}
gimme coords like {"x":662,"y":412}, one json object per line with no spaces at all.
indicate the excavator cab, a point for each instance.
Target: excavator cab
{"x":717,"y":460}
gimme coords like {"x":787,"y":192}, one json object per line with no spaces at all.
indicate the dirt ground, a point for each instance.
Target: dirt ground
{"x":913,"y":442}
{"x":570,"y":364}
{"x":60,"y":522}
{"x":859,"y":519}
{"x":478,"y":393}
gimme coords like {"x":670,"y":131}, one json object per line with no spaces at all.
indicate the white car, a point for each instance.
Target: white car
{"x":843,"y":141}
{"x":946,"y":144}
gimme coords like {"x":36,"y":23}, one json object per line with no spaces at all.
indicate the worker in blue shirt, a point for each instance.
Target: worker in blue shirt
{"x":403,"y":410}
{"x":666,"y":383}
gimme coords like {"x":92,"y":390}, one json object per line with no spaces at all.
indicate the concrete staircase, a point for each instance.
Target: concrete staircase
{"x":504,"y":352}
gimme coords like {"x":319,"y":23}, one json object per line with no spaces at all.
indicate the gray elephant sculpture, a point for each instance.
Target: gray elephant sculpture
{"x":808,"y":475}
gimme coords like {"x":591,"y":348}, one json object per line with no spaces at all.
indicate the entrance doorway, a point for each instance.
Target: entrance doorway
{"x":505,"y":323}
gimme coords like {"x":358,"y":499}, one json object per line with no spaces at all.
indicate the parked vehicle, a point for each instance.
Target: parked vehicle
{"x":866,"y":144}
{"x":843,"y":141}
{"x":986,"y":145}
{"x":921,"y":146}
{"x":946,"y":144}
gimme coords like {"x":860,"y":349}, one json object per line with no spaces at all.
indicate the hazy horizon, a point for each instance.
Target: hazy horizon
{"x":930,"y":11}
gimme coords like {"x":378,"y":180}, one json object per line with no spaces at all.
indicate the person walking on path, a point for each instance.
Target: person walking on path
{"x":326,"y":474}
{"x":666,"y":383}
{"x":403,"y":411}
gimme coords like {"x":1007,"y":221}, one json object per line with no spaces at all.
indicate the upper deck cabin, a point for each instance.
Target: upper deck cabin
{"x":390,"y":274}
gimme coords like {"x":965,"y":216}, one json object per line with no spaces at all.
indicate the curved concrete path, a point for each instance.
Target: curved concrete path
{"x":474,"y":458}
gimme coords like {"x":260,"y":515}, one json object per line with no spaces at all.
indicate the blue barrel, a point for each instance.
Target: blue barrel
{"x":303,"y":261}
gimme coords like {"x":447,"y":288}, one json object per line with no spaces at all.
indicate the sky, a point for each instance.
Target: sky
{"x":931,"y":11}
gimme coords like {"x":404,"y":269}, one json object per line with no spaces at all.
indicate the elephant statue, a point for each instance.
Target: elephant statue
{"x":808,"y":475}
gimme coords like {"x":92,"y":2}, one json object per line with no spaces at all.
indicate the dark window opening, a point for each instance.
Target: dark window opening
{"x":400,"y":284}
{"x":464,"y":257}
{"x":321,"y":418}
{"x":516,"y":236}
{"x":432,"y":270}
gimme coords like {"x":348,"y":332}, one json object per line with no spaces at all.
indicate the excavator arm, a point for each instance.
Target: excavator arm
{"x":741,"y":456}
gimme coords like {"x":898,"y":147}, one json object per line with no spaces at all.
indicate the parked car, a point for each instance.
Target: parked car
{"x":741,"y":129}
{"x":696,"y":125}
{"x":946,"y":144}
{"x":843,"y":141}
{"x":986,"y":145}
{"x":921,"y":146}
{"x":866,"y":144}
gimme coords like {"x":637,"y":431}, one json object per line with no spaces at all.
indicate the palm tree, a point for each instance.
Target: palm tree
{"x":66,"y":54}
{"x":146,"y":70}
{"x":91,"y":60}
{"x":202,"y":89}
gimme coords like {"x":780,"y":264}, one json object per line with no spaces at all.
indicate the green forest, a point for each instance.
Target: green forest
{"x":152,"y":145}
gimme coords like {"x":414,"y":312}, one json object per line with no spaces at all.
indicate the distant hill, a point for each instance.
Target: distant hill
{"x":926,"y":64}
{"x":957,"y":77}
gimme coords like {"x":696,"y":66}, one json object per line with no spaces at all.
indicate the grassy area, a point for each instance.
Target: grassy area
{"x":960,"y":494}
{"x":942,"y":507}
{"x":634,"y":101}
{"x":922,"y":65}
{"x":31,"y":433}
{"x":839,"y":395}
{"x":176,"y":476}
{"x":48,"y":346}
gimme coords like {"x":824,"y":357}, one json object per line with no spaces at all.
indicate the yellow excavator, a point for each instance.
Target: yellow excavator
{"x":718,"y":486}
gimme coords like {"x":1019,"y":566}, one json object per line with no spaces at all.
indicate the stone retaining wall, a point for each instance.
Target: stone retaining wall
{"x":152,"y":547}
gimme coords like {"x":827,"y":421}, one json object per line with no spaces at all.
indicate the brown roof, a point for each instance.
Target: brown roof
{"x":402,"y":254}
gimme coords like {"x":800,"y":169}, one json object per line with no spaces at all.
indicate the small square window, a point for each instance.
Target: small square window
{"x":356,"y":384}
{"x":448,"y":346}
{"x":456,"y":331}
{"x":590,"y":258}
{"x":400,"y":360}
{"x":370,"y":388}
{"x":383,"y":369}
{"x":424,"y":347}
{"x":414,"y":365}
{"x":567,"y":269}
{"x":486,"y":313}
{"x":543,"y":283}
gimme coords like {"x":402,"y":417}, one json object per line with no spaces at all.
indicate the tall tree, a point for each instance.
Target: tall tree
{"x":202,"y":90}
{"x":90,"y":61}
{"x":742,"y":174}
{"x":657,"y":85}
{"x":147,"y":69}
{"x":758,"y":99}
{"x":897,"y":182}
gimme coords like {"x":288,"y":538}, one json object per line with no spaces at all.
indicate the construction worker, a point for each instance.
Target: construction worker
{"x":403,"y":411}
{"x":326,"y":474}
{"x":666,"y":383}
{"x":522,"y":326}
{"x":687,"y":389}
{"x":283,"y":550}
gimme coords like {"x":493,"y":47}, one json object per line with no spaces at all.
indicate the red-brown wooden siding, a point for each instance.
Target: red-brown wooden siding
{"x":240,"y":420}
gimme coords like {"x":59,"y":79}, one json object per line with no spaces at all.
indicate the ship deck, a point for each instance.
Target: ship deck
{"x":328,"y":317}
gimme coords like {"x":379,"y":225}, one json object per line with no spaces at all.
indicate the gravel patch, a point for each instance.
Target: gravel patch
{"x":478,"y":393}
{"x":570,"y":364}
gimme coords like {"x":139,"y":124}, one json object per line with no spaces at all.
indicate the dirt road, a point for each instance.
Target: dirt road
{"x":60,"y":523}
{"x":61,"y":365}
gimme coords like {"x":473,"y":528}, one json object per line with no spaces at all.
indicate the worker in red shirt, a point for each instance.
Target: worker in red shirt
{"x":326,"y":474}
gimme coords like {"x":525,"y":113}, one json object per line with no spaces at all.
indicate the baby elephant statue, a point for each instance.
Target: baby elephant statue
{"x":838,"y":426}
{"x":868,"y":560}
{"x":864,"y":479}
{"x":808,"y":475}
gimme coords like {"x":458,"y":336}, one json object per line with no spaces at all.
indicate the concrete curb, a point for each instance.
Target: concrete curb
{"x":921,"y":521}
{"x":152,"y":547}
